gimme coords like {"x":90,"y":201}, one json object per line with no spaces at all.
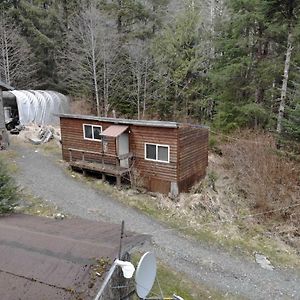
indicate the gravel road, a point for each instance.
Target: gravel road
{"x":212,"y":267}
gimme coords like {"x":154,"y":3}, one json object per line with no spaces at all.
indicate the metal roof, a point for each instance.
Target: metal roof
{"x":149,"y":123}
{"x":114,"y":130}
{"x":43,"y":258}
{"x":6,"y":87}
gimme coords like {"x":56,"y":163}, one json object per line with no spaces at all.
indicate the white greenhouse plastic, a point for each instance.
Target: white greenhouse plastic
{"x":40,"y":107}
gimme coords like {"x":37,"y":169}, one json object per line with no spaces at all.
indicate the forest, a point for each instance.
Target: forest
{"x":226,"y":63}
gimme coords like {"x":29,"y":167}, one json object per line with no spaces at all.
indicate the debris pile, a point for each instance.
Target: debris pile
{"x":36,"y":135}
{"x":44,"y":135}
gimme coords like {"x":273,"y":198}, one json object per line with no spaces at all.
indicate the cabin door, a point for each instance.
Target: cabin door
{"x":123,"y":149}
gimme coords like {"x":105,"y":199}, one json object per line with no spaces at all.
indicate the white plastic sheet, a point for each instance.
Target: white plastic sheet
{"x":40,"y":107}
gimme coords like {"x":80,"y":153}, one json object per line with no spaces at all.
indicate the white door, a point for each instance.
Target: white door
{"x":123,"y":149}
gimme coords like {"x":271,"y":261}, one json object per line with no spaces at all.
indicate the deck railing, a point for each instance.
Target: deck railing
{"x":103,"y":155}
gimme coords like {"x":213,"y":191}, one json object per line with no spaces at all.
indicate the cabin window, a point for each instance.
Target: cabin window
{"x":92,"y":132}
{"x":157,"y":152}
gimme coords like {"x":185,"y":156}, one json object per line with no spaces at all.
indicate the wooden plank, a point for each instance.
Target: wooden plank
{"x":105,"y":168}
{"x":193,"y":154}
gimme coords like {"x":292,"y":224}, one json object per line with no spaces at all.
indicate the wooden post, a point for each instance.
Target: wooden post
{"x":82,"y":155}
{"x":70,"y":152}
{"x":4,"y":140}
{"x":118,"y":163}
{"x":118,"y":180}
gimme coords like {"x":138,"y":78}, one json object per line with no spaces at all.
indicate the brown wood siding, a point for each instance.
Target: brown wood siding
{"x":72,"y":137}
{"x":157,"y":176}
{"x":193,"y":155}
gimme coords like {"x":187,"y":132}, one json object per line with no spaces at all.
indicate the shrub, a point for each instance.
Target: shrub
{"x":8,"y":191}
{"x":251,"y":115}
{"x":271,"y":182}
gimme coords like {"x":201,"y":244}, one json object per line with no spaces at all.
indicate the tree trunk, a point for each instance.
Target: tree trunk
{"x":105,"y":104}
{"x":212,"y":24}
{"x":119,"y":18}
{"x":138,"y":96}
{"x":145,"y":88}
{"x":6,"y":59}
{"x":284,"y":82}
{"x":93,"y":44}
{"x":96,"y":87}
{"x":3,"y":59}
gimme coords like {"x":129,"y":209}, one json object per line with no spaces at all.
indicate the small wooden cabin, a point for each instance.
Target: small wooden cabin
{"x":166,"y":156}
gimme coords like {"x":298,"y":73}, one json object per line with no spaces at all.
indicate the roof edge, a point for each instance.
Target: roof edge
{"x":116,"y":121}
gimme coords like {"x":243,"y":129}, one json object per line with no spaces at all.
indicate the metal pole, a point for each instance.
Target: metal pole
{"x":121,"y":238}
{"x":106,"y":281}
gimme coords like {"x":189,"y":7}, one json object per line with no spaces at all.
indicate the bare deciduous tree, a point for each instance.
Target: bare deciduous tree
{"x":17,"y":67}
{"x":284,"y":82}
{"x":87,"y":63}
{"x":140,"y":64}
{"x":80,"y":61}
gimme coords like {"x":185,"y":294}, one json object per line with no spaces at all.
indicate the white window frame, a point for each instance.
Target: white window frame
{"x":157,"y":160}
{"x":91,"y":139}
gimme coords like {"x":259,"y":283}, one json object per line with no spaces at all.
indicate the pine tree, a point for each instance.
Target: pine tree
{"x":283,"y":15}
{"x":43,"y":30}
{"x":247,"y":63}
{"x":180,"y":68}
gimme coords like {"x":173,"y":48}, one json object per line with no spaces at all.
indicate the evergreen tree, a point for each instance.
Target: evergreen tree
{"x":43,"y":31}
{"x":180,"y":65}
{"x":8,"y":191}
{"x":245,"y":67}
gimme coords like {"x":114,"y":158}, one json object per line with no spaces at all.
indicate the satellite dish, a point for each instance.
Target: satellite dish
{"x":145,"y":274}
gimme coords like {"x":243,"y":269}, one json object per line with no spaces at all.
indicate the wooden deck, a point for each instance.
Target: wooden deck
{"x":109,"y":169}
{"x":101,"y":167}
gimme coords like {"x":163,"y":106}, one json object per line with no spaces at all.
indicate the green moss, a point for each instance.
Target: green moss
{"x":8,"y":157}
{"x":32,"y":205}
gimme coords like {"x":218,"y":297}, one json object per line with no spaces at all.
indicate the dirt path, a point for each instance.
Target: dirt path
{"x":201,"y":263}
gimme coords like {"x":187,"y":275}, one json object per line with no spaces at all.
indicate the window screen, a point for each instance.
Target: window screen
{"x":150,"y":151}
{"x":88,"y":132}
{"x":157,"y":152}
{"x":163,"y":153}
{"x":97,"y":131}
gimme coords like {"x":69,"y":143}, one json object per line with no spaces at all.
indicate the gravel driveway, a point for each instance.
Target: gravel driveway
{"x":201,"y":263}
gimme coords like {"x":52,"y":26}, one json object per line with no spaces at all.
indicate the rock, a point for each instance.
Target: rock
{"x":263,"y":261}
{"x":59,"y":216}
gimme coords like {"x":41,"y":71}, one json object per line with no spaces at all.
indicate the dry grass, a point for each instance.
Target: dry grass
{"x":269,"y":181}
{"x":81,"y":106}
